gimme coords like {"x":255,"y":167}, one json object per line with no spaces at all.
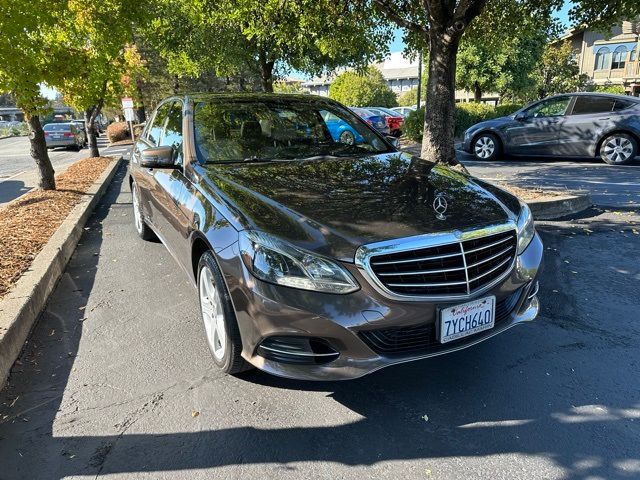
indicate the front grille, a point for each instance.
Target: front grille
{"x":460,"y":268}
{"x":423,"y":338}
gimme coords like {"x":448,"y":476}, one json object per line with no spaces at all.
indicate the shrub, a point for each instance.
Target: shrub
{"x":505,"y":109}
{"x":363,"y":90}
{"x":414,"y":124}
{"x":408,"y":98}
{"x":118,"y":131}
{"x":467,"y":114}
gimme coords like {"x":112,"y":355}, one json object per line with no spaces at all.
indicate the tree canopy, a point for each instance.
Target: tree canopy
{"x":267,"y":37}
{"x":368,"y":88}
{"x":558,"y":71}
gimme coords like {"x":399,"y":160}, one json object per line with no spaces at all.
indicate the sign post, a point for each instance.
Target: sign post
{"x":127,"y":106}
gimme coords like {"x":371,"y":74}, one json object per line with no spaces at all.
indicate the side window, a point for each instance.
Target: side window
{"x":554,"y":107}
{"x":155,"y":132}
{"x":173,"y":131}
{"x":622,"y":104}
{"x":588,"y":104}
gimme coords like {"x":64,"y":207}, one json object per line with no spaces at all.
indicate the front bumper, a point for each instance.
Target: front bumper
{"x":266,"y":311}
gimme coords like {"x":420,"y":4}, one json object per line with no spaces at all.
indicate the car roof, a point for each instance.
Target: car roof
{"x":597,"y":94}
{"x":241,"y":97}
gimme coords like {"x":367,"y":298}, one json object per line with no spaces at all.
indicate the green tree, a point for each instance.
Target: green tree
{"x":31,"y":54}
{"x":280,"y":86}
{"x":439,"y":25}
{"x":499,"y":55}
{"x":368,"y":88}
{"x":408,"y":98}
{"x":558,"y":71}
{"x":267,"y":37}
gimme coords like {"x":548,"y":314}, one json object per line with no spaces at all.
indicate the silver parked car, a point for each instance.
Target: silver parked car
{"x":63,"y":135}
{"x":404,"y":111}
{"x":571,"y":125}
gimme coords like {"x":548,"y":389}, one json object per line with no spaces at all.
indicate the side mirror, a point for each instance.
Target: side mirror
{"x":157,"y":157}
{"x":393,"y":141}
{"x":520,"y":116}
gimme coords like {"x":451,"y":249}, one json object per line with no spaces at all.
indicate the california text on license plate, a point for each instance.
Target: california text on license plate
{"x":466,"y":319}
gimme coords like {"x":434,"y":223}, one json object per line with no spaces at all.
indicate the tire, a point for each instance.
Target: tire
{"x":618,"y":149}
{"x":486,"y":146}
{"x":142,"y":229}
{"x":219,"y":318}
{"x":347,"y":138}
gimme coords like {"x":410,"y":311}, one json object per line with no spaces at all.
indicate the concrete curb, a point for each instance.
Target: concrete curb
{"x":557,"y":207}
{"x":22,"y":306}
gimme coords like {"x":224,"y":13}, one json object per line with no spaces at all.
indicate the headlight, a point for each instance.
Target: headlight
{"x":526,"y":229}
{"x":275,"y":261}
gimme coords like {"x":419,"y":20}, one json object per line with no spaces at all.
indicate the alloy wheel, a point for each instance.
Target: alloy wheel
{"x":618,"y":149}
{"x":212,"y":314}
{"x":347,"y":138}
{"x":137,"y":215}
{"x":484,"y":147}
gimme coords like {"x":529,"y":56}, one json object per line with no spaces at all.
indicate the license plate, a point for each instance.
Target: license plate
{"x":466,"y":319}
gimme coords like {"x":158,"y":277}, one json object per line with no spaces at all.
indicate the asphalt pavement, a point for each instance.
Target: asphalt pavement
{"x":18,"y":172}
{"x":117,"y":381}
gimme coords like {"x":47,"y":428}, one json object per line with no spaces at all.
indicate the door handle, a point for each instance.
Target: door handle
{"x":605,"y":118}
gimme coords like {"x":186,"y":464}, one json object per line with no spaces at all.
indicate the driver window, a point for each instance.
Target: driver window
{"x":155,"y":132}
{"x":172,"y":135}
{"x":553,"y":107}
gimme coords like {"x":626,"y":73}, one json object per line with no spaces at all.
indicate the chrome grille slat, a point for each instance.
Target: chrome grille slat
{"x":422,"y":259}
{"x":439,"y":270}
{"x":484,"y":247}
{"x":422,"y":272}
{"x":493,"y":257}
{"x":490,"y":271}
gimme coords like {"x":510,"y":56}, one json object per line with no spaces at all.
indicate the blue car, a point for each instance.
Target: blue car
{"x":341,"y":131}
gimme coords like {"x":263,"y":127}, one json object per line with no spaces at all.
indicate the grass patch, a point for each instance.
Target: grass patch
{"x":27,"y":223}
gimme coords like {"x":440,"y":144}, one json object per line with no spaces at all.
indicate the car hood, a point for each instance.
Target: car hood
{"x":333,"y":206}
{"x":494,"y":122}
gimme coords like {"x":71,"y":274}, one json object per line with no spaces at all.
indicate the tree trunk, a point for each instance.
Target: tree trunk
{"x":439,"y":117}
{"x":89,"y":119}
{"x":40,"y":154}
{"x":266,"y":72}
{"x":477,"y":92}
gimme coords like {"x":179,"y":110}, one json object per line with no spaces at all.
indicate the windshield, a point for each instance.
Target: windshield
{"x":279,"y":130}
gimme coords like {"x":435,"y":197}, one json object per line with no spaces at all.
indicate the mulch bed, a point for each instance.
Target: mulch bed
{"x":27,"y":223}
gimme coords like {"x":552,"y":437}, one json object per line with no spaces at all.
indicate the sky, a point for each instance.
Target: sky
{"x":397,"y":45}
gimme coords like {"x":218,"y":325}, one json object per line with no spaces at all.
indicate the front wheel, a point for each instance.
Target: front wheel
{"x":486,"y":146}
{"x":347,"y":138}
{"x":143,"y":230}
{"x":618,"y":149}
{"x":218,"y":316}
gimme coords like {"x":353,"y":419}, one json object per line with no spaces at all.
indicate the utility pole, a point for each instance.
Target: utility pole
{"x":419,"y":78}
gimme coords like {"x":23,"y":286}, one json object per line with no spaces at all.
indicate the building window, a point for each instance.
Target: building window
{"x":634,"y":55}
{"x":619,"y":57}
{"x":603,"y":59}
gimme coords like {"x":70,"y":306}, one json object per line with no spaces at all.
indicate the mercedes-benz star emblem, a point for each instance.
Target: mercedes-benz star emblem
{"x":440,"y":206}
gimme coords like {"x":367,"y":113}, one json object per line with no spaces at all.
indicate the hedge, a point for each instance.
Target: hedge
{"x":467,"y":114}
{"x":118,"y":131}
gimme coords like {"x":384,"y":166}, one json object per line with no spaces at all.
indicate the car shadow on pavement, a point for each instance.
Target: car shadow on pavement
{"x":548,"y":390}
{"x":12,"y":189}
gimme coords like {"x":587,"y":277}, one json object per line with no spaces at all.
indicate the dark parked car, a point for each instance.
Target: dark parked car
{"x":317,"y":259}
{"x":376,"y":121}
{"x":394,"y":119}
{"x":572,"y":125}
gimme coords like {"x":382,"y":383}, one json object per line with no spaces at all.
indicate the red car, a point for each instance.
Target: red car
{"x":394,"y":119}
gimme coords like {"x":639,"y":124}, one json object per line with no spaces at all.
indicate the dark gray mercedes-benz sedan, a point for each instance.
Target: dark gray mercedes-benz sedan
{"x":316,"y":259}
{"x":584,"y":125}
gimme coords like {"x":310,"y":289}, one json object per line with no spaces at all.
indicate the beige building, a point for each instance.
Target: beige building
{"x":609,"y":59}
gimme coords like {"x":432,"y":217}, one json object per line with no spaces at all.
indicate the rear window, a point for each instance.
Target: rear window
{"x":587,"y":104}
{"x":279,"y":130}
{"x":622,"y":104}
{"x":57,"y":127}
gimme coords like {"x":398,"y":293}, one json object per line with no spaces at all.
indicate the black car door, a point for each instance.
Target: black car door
{"x":144,"y":176}
{"x":172,"y":191}
{"x":537,"y":132}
